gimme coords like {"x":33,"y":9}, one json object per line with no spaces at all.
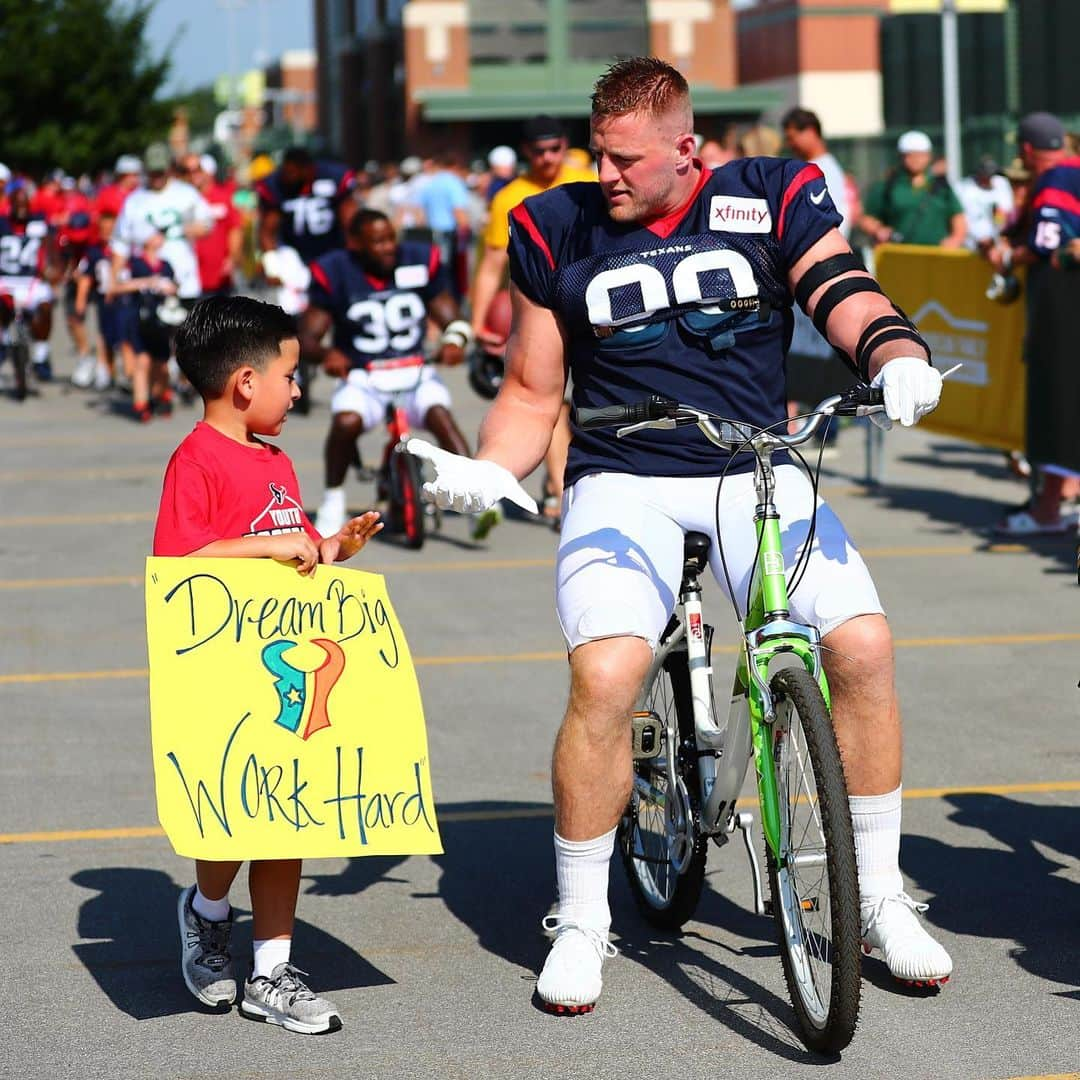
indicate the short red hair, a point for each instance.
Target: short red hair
{"x":640,"y":84}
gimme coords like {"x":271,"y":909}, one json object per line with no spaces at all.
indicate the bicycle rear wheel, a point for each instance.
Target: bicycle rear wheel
{"x":815,"y":887}
{"x":406,"y":509}
{"x":652,"y":839}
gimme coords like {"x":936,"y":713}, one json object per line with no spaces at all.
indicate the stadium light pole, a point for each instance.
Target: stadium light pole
{"x":950,"y":88}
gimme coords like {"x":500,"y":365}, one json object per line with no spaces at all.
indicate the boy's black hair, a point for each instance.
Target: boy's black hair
{"x":225,"y":333}
{"x":364,"y":217}
{"x":801,"y":119}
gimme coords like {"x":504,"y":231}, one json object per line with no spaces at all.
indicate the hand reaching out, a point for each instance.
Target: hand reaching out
{"x":354,"y":534}
{"x":298,"y":546}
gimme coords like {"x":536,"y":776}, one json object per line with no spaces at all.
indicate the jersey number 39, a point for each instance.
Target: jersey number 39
{"x":395,"y":324}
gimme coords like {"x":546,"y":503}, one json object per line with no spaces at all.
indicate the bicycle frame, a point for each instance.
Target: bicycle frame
{"x":769,"y":634}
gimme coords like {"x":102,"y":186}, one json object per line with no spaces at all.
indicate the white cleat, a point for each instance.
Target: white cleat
{"x":571,"y":980}
{"x":889,"y":923}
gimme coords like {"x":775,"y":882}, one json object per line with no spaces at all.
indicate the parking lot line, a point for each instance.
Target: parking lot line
{"x":448,"y":817}
{"x":958,"y":641}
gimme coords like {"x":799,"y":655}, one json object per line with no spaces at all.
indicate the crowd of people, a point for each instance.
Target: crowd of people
{"x":137,"y":245}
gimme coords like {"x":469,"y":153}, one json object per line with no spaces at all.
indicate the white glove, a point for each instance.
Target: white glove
{"x":468,"y":486}
{"x":912,"y":389}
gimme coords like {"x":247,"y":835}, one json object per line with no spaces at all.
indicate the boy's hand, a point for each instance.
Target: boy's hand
{"x":298,"y":547}
{"x":353,"y":536}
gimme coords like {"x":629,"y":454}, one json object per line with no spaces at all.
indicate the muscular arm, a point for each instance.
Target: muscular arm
{"x":489,"y":278}
{"x":852,"y":315}
{"x":517,"y":429}
{"x":443,"y":309}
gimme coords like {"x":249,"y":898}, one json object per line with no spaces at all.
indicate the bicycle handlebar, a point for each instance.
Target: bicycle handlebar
{"x":663,"y":413}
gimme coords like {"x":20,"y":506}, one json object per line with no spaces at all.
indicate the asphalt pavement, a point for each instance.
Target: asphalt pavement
{"x":432,"y":961}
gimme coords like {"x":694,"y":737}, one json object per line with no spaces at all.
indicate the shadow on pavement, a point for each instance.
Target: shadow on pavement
{"x":1016,"y":894}
{"x":498,"y":879}
{"x":135,"y":959}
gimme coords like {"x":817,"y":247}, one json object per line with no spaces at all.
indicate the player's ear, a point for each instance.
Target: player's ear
{"x":685,"y":149}
{"x":244,"y":382}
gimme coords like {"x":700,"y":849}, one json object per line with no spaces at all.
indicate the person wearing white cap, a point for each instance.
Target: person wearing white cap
{"x":913,"y":204}
{"x":502,"y":161}
{"x":111,"y":198}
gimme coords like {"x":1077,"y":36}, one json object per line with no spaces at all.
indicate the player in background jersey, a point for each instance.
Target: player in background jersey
{"x":1052,"y":245}
{"x":305,"y":205}
{"x":93,"y":282}
{"x":28,"y":271}
{"x":376,"y":295}
{"x":673,"y":279}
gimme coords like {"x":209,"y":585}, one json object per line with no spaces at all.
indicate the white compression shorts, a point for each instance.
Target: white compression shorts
{"x":368,"y":394}
{"x":620,"y":557}
{"x":27,"y":292}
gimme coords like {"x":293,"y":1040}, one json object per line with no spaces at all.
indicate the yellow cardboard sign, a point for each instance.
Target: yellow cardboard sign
{"x":944,"y":294}
{"x":285,"y":713}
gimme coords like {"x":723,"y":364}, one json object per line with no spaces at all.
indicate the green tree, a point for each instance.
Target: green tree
{"x":78,"y":83}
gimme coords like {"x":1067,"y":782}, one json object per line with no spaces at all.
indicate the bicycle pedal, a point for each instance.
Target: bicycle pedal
{"x":646,"y":735}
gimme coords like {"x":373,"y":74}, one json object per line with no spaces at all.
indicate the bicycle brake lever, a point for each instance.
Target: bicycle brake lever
{"x":666,"y":424}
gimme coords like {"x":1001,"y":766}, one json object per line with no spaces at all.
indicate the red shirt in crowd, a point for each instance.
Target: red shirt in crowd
{"x":218,"y":489}
{"x":213,"y":249}
{"x":110,"y":200}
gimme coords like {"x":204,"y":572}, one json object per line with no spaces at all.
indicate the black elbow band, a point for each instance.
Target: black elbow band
{"x":823,"y":272}
{"x":837,"y":294}
{"x":885,"y":328}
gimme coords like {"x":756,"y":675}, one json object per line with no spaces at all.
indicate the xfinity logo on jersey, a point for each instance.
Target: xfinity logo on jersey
{"x":734,"y":213}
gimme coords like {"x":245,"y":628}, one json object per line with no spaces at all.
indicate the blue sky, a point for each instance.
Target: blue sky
{"x":202,"y":50}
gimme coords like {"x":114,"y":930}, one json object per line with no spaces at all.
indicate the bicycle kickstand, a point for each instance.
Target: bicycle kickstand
{"x":744,"y":822}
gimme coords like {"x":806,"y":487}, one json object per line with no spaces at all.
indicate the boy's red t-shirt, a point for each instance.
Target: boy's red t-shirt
{"x":218,"y":489}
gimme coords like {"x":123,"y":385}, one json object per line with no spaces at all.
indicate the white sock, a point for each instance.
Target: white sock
{"x":875,"y":820}
{"x":581,"y":869}
{"x":334,"y":496}
{"x":214,"y":910}
{"x":39,"y":352}
{"x":270,"y":953}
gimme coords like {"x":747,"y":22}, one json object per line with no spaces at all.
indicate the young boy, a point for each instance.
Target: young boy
{"x":241,"y":356}
{"x":93,"y":283}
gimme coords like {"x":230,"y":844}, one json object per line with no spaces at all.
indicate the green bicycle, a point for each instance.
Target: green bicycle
{"x":689,"y":767}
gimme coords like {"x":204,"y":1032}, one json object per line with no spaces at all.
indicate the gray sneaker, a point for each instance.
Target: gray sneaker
{"x":285,"y":999}
{"x":204,"y":954}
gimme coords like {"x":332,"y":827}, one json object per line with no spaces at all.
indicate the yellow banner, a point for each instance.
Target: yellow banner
{"x":944,"y":293}
{"x":933,"y":7}
{"x":285,"y":713}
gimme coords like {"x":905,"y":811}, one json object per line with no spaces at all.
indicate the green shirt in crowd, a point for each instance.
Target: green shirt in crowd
{"x":921,"y":215}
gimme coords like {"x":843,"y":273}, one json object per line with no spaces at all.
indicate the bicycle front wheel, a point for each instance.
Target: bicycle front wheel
{"x":407,"y":512}
{"x":664,"y":862}
{"x":20,"y":360}
{"x":814,"y":885}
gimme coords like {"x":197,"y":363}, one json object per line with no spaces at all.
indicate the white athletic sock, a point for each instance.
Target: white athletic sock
{"x":875,"y":820}
{"x":39,"y":352}
{"x":214,"y":910}
{"x":581,"y":869}
{"x":270,"y":953}
{"x":334,"y":495}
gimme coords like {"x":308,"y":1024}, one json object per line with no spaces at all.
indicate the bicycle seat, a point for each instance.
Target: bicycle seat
{"x":695,"y":552}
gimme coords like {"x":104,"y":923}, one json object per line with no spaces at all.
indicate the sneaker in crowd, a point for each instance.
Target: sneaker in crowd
{"x":331,"y":516}
{"x":205,"y":961}
{"x":571,"y":980}
{"x":102,"y":378}
{"x":286,"y":999}
{"x":43,"y":370}
{"x":485,"y":521}
{"x":83,"y":375}
{"x":890,"y":923}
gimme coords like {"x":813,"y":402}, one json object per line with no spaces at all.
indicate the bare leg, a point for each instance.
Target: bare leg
{"x":274,"y":885}
{"x":865,"y":711}
{"x":441,"y":423}
{"x":340,"y":450}
{"x":591,"y":766}
{"x":215,"y":878}
{"x":140,"y":381}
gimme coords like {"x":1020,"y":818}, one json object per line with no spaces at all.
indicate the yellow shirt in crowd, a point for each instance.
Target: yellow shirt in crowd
{"x":497,"y":233}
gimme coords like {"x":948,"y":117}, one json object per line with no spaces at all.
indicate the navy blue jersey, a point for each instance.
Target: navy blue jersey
{"x":1055,"y":204}
{"x":694,"y":306}
{"x":309,"y":215}
{"x":23,"y":246}
{"x":376,"y":319}
{"x":96,"y":264}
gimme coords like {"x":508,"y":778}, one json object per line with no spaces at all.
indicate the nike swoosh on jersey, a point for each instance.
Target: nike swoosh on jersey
{"x":816,"y":199}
